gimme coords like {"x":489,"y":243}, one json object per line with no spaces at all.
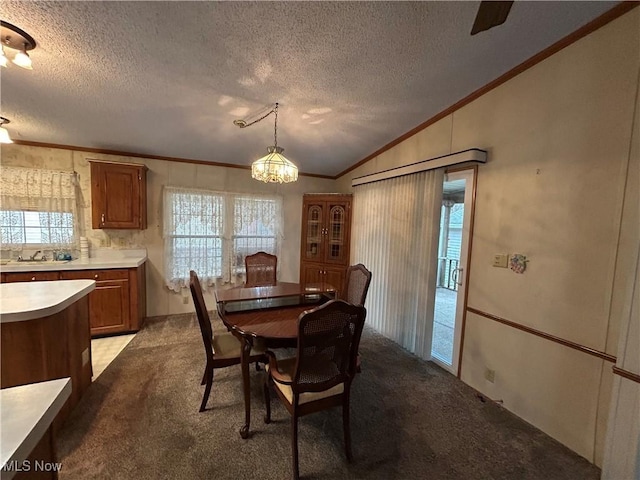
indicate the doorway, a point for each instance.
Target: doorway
{"x":453,"y":248}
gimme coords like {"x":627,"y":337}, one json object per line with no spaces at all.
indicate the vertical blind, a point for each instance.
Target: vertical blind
{"x":395,"y":234}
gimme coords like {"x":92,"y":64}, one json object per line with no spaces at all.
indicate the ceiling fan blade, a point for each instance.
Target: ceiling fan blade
{"x":490,"y":14}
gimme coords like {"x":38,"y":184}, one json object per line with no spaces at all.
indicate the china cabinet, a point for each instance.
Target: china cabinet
{"x":326,"y":234}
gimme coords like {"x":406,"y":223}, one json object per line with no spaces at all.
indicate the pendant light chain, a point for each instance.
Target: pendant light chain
{"x":275,"y":128}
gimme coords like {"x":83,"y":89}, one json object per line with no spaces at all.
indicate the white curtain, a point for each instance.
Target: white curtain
{"x":211,"y":232}
{"x":395,"y":235}
{"x":50,"y":194}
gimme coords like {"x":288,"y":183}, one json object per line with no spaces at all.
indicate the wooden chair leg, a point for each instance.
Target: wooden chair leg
{"x":346,"y":426}
{"x":207,"y":390}
{"x":204,"y":377}
{"x":267,"y":399}
{"x":294,"y":444}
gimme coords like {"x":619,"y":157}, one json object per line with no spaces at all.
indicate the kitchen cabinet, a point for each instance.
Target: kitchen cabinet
{"x":46,"y":337}
{"x":118,"y":303}
{"x":118,"y":195}
{"x":326,"y":236}
{"x":30,"y":276}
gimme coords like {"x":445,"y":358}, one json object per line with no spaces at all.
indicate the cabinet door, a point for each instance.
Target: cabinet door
{"x":337,"y":233}
{"x":109,"y":307}
{"x":118,"y":195}
{"x":322,"y":275}
{"x":334,"y":276}
{"x":311,"y":273}
{"x":313,"y":232}
{"x":30,"y":276}
{"x":109,"y":303}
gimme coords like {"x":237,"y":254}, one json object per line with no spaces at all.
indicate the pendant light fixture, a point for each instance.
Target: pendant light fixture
{"x":4,"y":133}
{"x":14,"y":38}
{"x":273,"y":167}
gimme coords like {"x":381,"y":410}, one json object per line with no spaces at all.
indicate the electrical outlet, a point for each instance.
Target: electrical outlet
{"x":185,"y":300}
{"x":490,"y":375}
{"x":501,"y":260}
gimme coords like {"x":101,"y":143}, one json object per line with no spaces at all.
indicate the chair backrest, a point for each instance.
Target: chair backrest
{"x":202,"y":314}
{"x":357,"y":285}
{"x":328,"y":339}
{"x":261,"y":269}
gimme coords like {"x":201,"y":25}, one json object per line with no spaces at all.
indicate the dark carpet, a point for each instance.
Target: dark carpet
{"x":410,"y":420}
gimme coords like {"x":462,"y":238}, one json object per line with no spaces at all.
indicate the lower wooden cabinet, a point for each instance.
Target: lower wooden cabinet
{"x":30,"y":276}
{"x":118,"y":303}
{"x":323,"y":274}
{"x":109,"y":303}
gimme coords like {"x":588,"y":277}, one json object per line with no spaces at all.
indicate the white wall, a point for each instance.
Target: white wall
{"x":558,"y":138}
{"x":161,"y":301}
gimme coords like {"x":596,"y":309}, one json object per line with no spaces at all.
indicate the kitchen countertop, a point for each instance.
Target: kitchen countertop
{"x":26,"y":414}
{"x":103,"y":258}
{"x":22,"y":301}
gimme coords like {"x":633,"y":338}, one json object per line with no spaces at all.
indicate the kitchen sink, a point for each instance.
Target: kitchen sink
{"x":33,"y":262}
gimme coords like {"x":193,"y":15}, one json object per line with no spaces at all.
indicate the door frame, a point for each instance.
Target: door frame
{"x":470,"y":174}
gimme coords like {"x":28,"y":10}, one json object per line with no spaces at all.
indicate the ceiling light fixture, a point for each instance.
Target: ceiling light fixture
{"x":273,"y":167}
{"x":4,"y":133}
{"x":15,"y":38}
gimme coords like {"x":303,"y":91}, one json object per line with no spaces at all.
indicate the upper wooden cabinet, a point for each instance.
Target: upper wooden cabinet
{"x":326,"y":235}
{"x":118,"y":195}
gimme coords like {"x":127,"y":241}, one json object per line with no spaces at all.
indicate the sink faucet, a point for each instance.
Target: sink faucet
{"x":33,"y":257}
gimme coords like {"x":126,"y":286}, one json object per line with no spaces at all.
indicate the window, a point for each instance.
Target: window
{"x":256,"y":225}
{"x":38,"y":208}
{"x":36,"y":228}
{"x":212,"y":232}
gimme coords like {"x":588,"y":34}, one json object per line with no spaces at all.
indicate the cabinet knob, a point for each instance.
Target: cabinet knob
{"x":33,"y":278}
{"x":95,"y":276}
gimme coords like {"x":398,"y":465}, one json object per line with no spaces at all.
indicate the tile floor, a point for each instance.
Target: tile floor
{"x":104,"y":350}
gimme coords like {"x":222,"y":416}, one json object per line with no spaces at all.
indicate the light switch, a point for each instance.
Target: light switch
{"x":501,"y":260}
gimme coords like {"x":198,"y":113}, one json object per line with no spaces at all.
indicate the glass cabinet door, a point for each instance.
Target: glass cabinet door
{"x":314,"y":233}
{"x":336,"y":234}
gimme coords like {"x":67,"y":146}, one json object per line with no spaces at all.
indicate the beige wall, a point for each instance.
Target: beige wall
{"x":161,"y":301}
{"x":558,"y":137}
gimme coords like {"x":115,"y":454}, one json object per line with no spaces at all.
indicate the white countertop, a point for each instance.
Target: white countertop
{"x":26,"y":412}
{"x":102,"y":258}
{"x":28,"y":300}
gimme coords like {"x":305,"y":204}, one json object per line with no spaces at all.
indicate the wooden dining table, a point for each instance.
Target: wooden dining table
{"x":267,"y":314}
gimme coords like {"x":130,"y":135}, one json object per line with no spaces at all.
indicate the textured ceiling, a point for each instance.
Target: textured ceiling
{"x":169,"y":78}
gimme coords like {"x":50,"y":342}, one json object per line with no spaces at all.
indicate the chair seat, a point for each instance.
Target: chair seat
{"x":286,"y":367}
{"x":227,"y":345}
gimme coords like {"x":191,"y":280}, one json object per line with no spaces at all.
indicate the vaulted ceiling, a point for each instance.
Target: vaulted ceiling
{"x":168,"y":78}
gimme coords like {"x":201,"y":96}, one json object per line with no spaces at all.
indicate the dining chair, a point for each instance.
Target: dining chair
{"x":320,"y":375}
{"x":357,"y":285}
{"x":222,"y":349}
{"x":355,"y":292}
{"x":260,"y":269}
